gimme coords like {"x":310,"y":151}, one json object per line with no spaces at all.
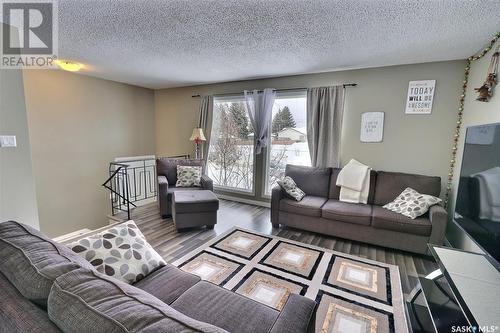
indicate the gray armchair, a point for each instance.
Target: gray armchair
{"x":166,"y":168}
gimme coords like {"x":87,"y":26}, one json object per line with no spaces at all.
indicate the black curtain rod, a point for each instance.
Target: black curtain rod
{"x":278,"y":90}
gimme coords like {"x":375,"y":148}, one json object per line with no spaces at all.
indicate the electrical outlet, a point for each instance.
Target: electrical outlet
{"x":8,"y":141}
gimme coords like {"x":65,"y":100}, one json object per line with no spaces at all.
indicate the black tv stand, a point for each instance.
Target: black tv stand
{"x":463,"y":293}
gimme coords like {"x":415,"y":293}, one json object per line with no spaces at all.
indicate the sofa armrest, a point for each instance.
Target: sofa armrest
{"x":162,"y":185}
{"x":276,"y":196}
{"x":297,"y":316}
{"x":439,"y":219}
{"x":207,"y":183}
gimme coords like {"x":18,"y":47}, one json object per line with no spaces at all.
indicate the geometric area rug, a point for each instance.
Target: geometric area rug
{"x":353,"y":294}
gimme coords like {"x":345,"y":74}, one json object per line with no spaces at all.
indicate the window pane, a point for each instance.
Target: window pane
{"x":231,"y":156}
{"x":288,"y":137}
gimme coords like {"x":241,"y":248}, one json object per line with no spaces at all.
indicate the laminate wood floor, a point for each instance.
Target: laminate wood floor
{"x":172,"y":245}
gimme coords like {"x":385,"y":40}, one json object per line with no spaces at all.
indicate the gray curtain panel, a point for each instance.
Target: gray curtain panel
{"x":260,"y":108}
{"x":325,"y":109}
{"x":205,"y":122}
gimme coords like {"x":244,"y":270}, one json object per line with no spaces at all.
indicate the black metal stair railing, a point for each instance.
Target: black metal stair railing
{"x":117,"y":183}
{"x":130,"y":182}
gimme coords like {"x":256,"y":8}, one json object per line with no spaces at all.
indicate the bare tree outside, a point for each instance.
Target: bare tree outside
{"x":230,"y":161}
{"x":277,"y":165}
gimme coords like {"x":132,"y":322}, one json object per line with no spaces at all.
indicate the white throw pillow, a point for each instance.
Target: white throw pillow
{"x":289,"y":186}
{"x":412,"y":204}
{"x":188,"y":176}
{"x":121,"y":252}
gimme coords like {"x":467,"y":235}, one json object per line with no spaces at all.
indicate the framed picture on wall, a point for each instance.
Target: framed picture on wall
{"x":372,"y":127}
{"x":420,"y":97}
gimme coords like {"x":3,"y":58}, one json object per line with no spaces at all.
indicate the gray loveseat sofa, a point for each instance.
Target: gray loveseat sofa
{"x":48,"y":288}
{"x":321,"y":211}
{"x":166,"y":169}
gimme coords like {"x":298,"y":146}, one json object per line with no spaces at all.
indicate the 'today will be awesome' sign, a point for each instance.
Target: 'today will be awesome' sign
{"x":420,"y":97}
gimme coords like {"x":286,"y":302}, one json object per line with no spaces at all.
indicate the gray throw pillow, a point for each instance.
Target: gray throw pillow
{"x":412,"y":204}
{"x":86,"y":301}
{"x":121,"y":252}
{"x":31,"y":261}
{"x":289,"y":186}
{"x":188,"y":176}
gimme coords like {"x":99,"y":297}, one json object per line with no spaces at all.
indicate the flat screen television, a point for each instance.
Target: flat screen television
{"x":477,"y":208}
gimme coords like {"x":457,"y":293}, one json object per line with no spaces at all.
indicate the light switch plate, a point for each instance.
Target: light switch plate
{"x":8,"y":141}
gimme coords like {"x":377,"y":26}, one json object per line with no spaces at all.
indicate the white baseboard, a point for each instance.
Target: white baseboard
{"x":243,"y":200}
{"x":71,"y":235}
{"x":82,"y":233}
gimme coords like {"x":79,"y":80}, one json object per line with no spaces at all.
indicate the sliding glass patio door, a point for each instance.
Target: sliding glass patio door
{"x":232,"y":163}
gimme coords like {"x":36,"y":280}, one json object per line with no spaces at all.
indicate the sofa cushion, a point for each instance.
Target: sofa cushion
{"x":390,"y":184}
{"x":334,"y":191}
{"x":311,"y":180}
{"x":385,"y":219}
{"x":31,"y":261}
{"x":223,"y":308}
{"x":195,"y":201}
{"x":19,"y":314}
{"x":347,"y":212}
{"x":309,"y":205}
{"x":172,"y":189}
{"x":168,"y":167}
{"x":87,"y":301}
{"x":167,"y":283}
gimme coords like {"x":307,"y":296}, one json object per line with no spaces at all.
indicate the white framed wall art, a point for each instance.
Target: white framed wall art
{"x":372,"y":127}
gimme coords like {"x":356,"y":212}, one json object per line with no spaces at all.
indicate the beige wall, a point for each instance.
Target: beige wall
{"x":412,"y":143}
{"x":17,"y":190}
{"x":475,"y":113}
{"x":78,"y":124}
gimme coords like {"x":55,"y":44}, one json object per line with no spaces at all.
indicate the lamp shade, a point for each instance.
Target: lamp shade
{"x":197,"y":135}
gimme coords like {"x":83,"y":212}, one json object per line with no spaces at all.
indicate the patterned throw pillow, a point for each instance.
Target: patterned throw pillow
{"x":412,"y":204}
{"x":188,"y":176}
{"x":121,"y":252}
{"x":289,"y":186}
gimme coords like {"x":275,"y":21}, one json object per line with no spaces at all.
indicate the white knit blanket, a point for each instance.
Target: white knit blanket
{"x":354,"y":182}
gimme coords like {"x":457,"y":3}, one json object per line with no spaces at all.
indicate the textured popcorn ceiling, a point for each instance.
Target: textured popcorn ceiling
{"x":166,"y":43}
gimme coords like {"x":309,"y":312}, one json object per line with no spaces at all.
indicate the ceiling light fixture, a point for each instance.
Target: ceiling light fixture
{"x":69,"y":65}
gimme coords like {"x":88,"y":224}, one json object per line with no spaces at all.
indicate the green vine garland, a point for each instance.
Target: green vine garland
{"x":460,"y":114}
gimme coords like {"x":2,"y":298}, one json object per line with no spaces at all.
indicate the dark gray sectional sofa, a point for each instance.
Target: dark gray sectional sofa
{"x":321,"y":211}
{"x":47,"y":288}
